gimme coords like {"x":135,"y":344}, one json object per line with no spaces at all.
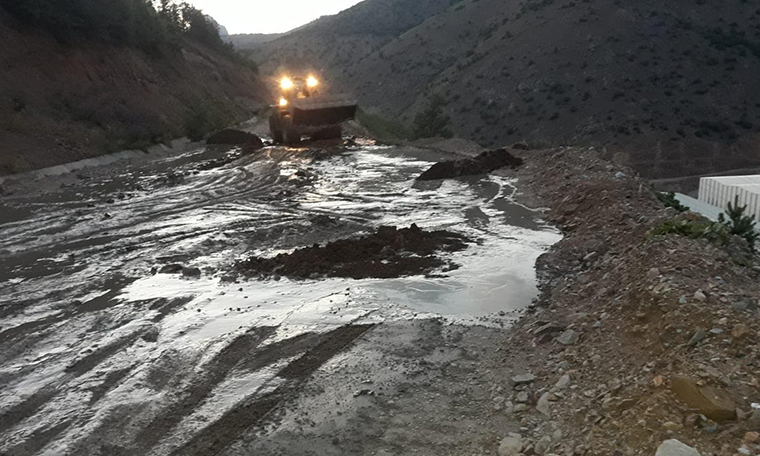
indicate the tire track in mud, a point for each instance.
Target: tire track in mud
{"x":31,"y":405}
{"x":112,"y":380}
{"x":216,"y":371}
{"x":212,"y":191}
{"x":27,"y":408}
{"x":255,"y":410}
{"x":92,"y":360}
{"x":38,"y":440}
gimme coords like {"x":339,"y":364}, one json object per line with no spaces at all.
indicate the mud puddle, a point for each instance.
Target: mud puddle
{"x":99,"y":356}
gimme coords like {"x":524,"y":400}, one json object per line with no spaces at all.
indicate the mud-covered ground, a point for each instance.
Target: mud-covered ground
{"x":385,"y":253}
{"x":102,"y":354}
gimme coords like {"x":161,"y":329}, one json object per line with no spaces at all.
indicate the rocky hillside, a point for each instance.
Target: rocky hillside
{"x":668,"y":87}
{"x":65,"y":101}
{"x":334,"y":45}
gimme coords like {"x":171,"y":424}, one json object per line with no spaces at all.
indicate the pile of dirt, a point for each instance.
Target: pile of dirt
{"x":389,"y":252}
{"x":482,"y":164}
{"x":234,"y":137}
{"x":637,"y":338}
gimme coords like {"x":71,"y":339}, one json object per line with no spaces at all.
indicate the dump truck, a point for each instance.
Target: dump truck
{"x":303,"y":111}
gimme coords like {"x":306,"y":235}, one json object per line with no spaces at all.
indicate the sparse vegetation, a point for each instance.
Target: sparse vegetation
{"x":383,"y":129}
{"x":432,"y":120}
{"x":720,"y":232}
{"x":203,"y":118}
{"x":669,"y":200}
{"x":154,"y":26}
{"x":695,"y":229}
{"x":740,"y":224}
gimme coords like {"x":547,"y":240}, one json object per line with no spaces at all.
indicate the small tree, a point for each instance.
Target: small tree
{"x":433,"y":121}
{"x":740,"y":224}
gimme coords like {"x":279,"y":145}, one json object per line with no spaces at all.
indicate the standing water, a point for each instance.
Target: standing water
{"x":88,"y":330}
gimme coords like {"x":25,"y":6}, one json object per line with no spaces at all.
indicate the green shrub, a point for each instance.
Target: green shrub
{"x":203,"y":118}
{"x":719,"y":232}
{"x":383,"y":129}
{"x":740,"y":224}
{"x":433,"y":121}
{"x":695,"y":229}
{"x":669,"y":200}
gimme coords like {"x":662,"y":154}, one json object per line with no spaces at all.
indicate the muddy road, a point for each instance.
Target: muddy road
{"x":101,"y":355}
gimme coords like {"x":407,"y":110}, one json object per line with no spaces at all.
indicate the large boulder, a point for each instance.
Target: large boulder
{"x":233,"y":137}
{"x":673,"y":447}
{"x":710,"y":402}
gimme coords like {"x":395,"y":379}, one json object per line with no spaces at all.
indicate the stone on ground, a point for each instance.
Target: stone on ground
{"x":523,"y":379}
{"x":568,"y":337}
{"x":673,"y":447}
{"x":511,"y":445}
{"x":710,"y":402}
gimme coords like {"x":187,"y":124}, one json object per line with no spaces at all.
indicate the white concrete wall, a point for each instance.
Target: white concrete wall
{"x":719,"y":191}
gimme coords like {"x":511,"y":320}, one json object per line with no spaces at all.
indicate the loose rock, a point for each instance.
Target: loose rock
{"x":674,"y":447}
{"x":562,"y":382}
{"x":710,"y":402}
{"x":192,"y":273}
{"x":698,"y":337}
{"x":543,"y":404}
{"x":171,"y":269}
{"x":523,"y":379}
{"x":568,"y":337}
{"x":511,"y":445}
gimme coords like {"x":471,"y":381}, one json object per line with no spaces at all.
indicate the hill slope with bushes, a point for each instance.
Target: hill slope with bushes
{"x":83,"y":78}
{"x":668,"y":87}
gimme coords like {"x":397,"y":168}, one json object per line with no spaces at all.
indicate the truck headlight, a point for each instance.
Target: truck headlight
{"x":283,"y":102}
{"x":311,"y":81}
{"x":286,"y":83}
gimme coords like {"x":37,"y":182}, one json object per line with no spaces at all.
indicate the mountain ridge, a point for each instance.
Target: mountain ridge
{"x":665,"y":87}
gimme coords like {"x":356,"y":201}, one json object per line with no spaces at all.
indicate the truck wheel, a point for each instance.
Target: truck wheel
{"x":334,"y":132}
{"x":275,"y":130}
{"x":292,"y":136}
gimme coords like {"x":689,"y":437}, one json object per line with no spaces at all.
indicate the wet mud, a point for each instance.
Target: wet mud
{"x":102,"y":355}
{"x":388,"y":252}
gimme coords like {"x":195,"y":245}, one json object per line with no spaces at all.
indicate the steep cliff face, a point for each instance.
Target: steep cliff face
{"x":668,"y":87}
{"x":61,"y":103}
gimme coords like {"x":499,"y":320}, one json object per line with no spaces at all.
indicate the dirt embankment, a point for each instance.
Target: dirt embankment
{"x":389,"y":252}
{"x":60,"y":104}
{"x":637,"y":338}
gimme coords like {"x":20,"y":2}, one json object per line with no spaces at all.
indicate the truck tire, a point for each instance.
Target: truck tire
{"x":334,"y":132}
{"x":292,"y":136}
{"x":275,"y":130}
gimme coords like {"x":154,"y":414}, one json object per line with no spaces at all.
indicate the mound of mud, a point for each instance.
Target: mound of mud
{"x":482,"y":164}
{"x":390,"y":252}
{"x":233,"y":137}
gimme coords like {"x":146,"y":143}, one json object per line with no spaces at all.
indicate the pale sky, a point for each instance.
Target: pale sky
{"x":268,"y":16}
